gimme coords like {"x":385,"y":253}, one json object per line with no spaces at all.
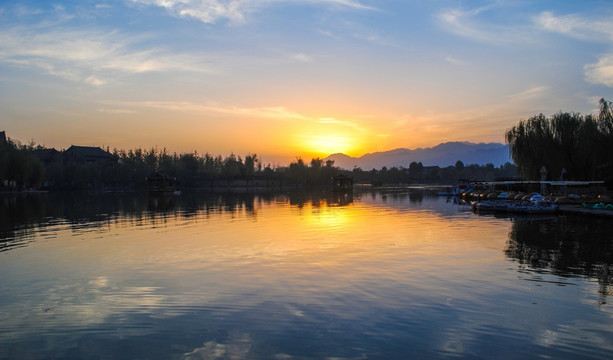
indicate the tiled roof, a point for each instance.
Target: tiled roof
{"x":90,"y":152}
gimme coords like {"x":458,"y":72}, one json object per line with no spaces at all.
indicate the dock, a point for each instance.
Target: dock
{"x":577,"y":209}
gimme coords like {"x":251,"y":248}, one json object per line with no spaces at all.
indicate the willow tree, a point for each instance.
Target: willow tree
{"x":580,"y":144}
{"x":605,"y":143}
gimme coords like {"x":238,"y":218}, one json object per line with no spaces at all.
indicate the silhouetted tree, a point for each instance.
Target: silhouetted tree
{"x":580,"y":144}
{"x":19,"y":166}
{"x":415,"y":170}
{"x":459,"y":165}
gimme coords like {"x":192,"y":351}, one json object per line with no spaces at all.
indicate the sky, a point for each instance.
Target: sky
{"x":295,"y":78}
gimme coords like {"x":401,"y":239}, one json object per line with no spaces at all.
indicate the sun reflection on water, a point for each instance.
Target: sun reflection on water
{"x":384,"y":268}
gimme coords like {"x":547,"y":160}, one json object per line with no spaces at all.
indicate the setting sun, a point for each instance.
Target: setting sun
{"x":328,"y":144}
{"x":272,"y":179}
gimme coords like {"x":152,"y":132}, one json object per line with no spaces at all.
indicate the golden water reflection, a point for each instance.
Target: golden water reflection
{"x":278,"y":245}
{"x":405,"y":264}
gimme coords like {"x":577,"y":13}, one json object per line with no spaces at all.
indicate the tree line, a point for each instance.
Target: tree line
{"x":33,"y":166}
{"x":582,"y":145}
{"x":579,"y":145}
{"x":418,"y":173}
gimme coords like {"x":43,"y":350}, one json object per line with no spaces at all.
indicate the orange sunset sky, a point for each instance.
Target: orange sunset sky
{"x":302,"y":78}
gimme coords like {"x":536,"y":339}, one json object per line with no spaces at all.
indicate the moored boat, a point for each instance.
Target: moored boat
{"x":536,"y":205}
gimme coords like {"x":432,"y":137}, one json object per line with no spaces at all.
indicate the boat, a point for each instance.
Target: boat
{"x":533,"y":207}
{"x":598,"y":206}
{"x":489,"y":205}
{"x":537,"y":205}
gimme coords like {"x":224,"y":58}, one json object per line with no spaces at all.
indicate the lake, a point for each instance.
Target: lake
{"x":393,"y":273}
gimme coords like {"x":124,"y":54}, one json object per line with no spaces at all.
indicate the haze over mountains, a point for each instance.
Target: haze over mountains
{"x":442,"y":155}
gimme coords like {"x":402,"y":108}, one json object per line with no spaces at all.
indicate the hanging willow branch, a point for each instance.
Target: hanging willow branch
{"x":583,"y":145}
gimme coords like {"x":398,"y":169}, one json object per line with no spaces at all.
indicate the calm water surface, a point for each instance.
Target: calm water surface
{"x":389,"y":274}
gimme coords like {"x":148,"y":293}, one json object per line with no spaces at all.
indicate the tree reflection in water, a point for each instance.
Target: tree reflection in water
{"x":383,"y":273}
{"x":565,"y":246}
{"x":21,"y":214}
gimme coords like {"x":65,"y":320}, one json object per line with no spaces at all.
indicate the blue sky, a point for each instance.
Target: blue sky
{"x":295,"y":78}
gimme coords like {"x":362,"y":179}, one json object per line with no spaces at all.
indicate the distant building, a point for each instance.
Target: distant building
{"x":160,"y":184}
{"x":89,"y":154}
{"x":47,"y":156}
{"x":2,"y":137}
{"x":342,"y":183}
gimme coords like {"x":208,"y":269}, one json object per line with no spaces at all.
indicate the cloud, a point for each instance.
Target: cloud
{"x":537,"y":92}
{"x":576,"y":26}
{"x":345,"y":123}
{"x":301,"y":57}
{"x":467,"y":23}
{"x":92,"y":80}
{"x":22,"y":11}
{"x":272,"y":112}
{"x":454,"y":61}
{"x":91,"y":57}
{"x":590,"y":30}
{"x":116,"y":111}
{"x":601,"y":72}
{"x":329,"y":34}
{"x":211,"y":11}
{"x":473,"y":24}
{"x":280,"y":113}
{"x":493,"y":119}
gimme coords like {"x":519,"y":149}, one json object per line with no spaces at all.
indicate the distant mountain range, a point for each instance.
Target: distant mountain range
{"x":442,"y":155}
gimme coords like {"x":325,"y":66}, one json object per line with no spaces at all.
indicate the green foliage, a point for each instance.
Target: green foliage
{"x":580,"y":144}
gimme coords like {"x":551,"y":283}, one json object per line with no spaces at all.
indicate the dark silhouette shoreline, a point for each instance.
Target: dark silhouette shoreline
{"x":29,"y":168}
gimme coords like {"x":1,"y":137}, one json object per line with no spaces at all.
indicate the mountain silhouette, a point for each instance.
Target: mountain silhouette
{"x":442,"y":155}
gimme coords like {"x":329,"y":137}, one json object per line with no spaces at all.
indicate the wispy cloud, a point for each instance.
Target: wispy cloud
{"x":585,"y":29}
{"x":472,"y":25}
{"x":468,"y":24}
{"x":344,"y":123}
{"x":207,"y":11}
{"x":22,"y":11}
{"x":533,"y":93}
{"x":88,"y":56}
{"x":454,"y":61}
{"x":576,"y":26}
{"x":116,"y":111}
{"x":211,"y":11}
{"x":501,"y":114}
{"x":279,"y":113}
{"x":271,"y":112}
{"x":301,"y":57}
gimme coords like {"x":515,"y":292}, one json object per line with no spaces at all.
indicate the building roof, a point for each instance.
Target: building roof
{"x":90,"y":153}
{"x":46,"y":154}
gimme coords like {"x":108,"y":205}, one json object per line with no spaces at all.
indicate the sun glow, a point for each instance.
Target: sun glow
{"x":328,"y":144}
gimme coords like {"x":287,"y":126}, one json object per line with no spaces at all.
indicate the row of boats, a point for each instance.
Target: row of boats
{"x":484,"y":200}
{"x":534,"y":205}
